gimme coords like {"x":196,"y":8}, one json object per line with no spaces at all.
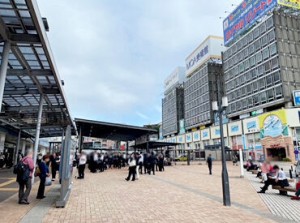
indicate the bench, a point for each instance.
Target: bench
{"x":254,"y":171}
{"x":287,"y":189}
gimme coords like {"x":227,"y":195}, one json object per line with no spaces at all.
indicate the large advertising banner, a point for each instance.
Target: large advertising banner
{"x":211,"y":47}
{"x":273,"y":124}
{"x":290,"y":3}
{"x":244,"y":16}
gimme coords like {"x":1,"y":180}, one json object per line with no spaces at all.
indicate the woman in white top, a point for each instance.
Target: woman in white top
{"x":81,"y":166}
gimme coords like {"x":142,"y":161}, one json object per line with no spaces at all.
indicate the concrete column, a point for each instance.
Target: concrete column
{"x":3,"y":70}
{"x":2,"y":141}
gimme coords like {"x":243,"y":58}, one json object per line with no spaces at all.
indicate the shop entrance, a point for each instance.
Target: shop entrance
{"x":276,"y":154}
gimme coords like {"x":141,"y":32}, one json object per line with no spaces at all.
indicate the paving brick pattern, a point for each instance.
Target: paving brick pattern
{"x":279,"y":205}
{"x":180,"y":194}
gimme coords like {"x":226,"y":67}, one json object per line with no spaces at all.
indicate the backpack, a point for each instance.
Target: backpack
{"x":22,"y":171}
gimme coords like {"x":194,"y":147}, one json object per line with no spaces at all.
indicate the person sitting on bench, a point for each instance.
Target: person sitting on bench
{"x":278,"y":179}
{"x":296,"y":197}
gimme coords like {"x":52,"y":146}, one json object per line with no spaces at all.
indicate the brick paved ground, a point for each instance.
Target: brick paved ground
{"x":279,"y":205}
{"x":181,"y":194}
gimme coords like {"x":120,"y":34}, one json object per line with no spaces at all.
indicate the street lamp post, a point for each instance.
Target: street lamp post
{"x":219,"y":107}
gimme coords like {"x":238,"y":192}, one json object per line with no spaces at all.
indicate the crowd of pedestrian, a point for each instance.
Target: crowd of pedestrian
{"x":25,"y":168}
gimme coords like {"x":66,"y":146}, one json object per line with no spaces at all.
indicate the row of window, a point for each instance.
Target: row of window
{"x":258,"y":45}
{"x":233,"y":81}
{"x":200,"y":118}
{"x":196,"y":102}
{"x":252,"y":61}
{"x":190,"y":97}
{"x":204,"y":107}
{"x":249,"y":38}
{"x":254,"y":86}
{"x":195,"y":77}
{"x":263,"y":97}
{"x":196,"y":85}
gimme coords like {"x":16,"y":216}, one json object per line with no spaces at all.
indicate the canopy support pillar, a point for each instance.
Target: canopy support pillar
{"x":3,"y":70}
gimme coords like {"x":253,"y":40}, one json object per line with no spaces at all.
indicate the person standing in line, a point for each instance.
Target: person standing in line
{"x":54,"y":165}
{"x":209,"y":163}
{"x":81,"y":165}
{"x":141,"y":162}
{"x":23,"y":196}
{"x":132,"y":167}
{"x":44,"y":173}
{"x":137,"y":157}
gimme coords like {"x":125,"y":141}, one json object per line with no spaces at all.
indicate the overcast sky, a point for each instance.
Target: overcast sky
{"x":114,"y":55}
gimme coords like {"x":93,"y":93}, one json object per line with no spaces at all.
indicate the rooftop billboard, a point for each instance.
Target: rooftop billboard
{"x":177,"y":76}
{"x":211,"y":47}
{"x":290,"y":3}
{"x":245,"y":16}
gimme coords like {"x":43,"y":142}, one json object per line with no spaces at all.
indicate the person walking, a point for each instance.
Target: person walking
{"x":44,"y":169}
{"x":209,"y":164}
{"x":23,"y":195}
{"x":81,"y":165}
{"x":132,"y":167}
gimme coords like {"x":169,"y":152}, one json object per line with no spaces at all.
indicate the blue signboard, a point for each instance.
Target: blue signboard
{"x":196,"y":136}
{"x":245,"y":16}
{"x":296,"y":98}
{"x":204,"y":134}
{"x":234,"y":128}
{"x":217,"y":132}
{"x":251,"y":125}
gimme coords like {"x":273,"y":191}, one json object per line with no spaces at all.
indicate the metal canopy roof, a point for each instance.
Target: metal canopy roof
{"x":31,"y":71}
{"x":111,"y":131}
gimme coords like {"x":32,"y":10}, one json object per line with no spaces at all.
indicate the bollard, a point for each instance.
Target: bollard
{"x":292,"y":168}
{"x":241,"y":163}
{"x":291,"y":174}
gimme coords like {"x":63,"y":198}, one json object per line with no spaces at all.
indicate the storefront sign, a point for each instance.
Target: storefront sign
{"x":196,"y":136}
{"x":257,"y":112}
{"x":181,"y":139}
{"x":296,"y":95}
{"x":245,"y":16}
{"x":234,"y":128}
{"x":205,"y":134}
{"x":188,"y":137}
{"x":273,"y":124}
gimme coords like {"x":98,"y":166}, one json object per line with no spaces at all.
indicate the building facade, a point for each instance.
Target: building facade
{"x":262,"y":68}
{"x":173,"y":102}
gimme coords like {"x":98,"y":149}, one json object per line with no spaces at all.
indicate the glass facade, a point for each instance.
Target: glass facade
{"x":199,"y":92}
{"x":172,"y":110}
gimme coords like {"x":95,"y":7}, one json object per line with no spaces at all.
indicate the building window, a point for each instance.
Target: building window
{"x":273,"y":49}
{"x":278,"y":91}
{"x":265,"y":53}
{"x":270,"y":94}
{"x":269,"y":81}
{"x":258,"y":57}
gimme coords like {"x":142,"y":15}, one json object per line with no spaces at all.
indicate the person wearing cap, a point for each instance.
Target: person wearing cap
{"x":44,"y":173}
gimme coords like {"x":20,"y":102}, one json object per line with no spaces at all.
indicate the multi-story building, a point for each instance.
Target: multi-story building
{"x":203,"y":68}
{"x":173,"y":102}
{"x":262,"y":68}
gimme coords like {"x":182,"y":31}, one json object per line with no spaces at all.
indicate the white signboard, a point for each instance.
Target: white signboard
{"x":211,"y":47}
{"x":188,"y":137}
{"x":177,"y":76}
